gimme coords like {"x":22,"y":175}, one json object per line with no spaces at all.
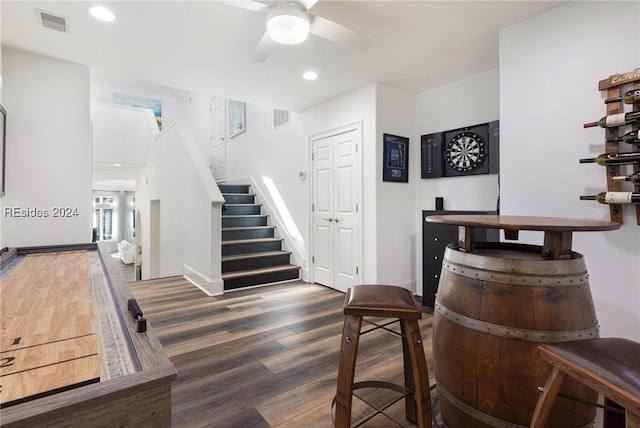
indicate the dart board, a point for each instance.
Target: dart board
{"x":465,"y":151}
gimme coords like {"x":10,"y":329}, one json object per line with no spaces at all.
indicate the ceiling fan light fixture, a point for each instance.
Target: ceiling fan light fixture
{"x":288,"y":25}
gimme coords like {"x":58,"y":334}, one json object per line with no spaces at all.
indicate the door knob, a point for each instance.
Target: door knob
{"x":329,"y":219}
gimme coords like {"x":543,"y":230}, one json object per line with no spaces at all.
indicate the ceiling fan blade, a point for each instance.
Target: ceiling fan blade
{"x":308,"y":4}
{"x":264,"y":48}
{"x":254,"y":5}
{"x":335,"y":32}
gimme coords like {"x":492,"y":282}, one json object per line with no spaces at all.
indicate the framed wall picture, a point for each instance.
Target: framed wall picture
{"x":134,"y":101}
{"x":395,"y":165}
{"x":237,"y":118}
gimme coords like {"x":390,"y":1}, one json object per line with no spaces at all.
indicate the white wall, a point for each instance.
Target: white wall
{"x":550,"y":66}
{"x":197,"y":117}
{"x":395,"y":229}
{"x":177,"y":176}
{"x":121,"y":134}
{"x":48,"y":149}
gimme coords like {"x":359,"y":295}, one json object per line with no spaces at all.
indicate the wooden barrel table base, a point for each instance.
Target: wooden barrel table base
{"x":496,"y":303}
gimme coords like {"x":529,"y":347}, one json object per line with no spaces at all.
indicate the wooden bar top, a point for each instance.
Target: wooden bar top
{"x":557,"y":230}
{"x":514,"y":222}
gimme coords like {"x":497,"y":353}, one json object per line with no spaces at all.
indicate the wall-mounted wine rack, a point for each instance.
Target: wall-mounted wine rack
{"x":615,"y":86}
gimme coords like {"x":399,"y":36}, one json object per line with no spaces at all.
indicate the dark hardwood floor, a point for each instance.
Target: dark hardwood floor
{"x":263,"y":357}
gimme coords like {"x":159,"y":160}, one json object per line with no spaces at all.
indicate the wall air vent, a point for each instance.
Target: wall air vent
{"x":280,"y":117}
{"x":52,"y":21}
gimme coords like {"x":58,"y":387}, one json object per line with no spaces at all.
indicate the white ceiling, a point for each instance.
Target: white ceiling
{"x":206,"y":46}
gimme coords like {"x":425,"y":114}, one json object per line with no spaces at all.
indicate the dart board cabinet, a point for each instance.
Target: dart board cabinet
{"x":435,"y":238}
{"x":463,"y":151}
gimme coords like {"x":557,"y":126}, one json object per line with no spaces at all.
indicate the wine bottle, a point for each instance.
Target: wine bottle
{"x":614,"y":198}
{"x":634,"y":178}
{"x":629,"y":137}
{"x":629,"y":97}
{"x":607,"y":159}
{"x":619,"y":119}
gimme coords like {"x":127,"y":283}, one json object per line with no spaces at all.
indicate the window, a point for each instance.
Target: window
{"x":104,"y":217}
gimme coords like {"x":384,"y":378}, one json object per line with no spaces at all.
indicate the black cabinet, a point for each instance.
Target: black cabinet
{"x":435,"y":238}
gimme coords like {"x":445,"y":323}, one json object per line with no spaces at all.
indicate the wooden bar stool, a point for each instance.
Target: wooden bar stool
{"x":610,"y":366}
{"x":384,"y":301}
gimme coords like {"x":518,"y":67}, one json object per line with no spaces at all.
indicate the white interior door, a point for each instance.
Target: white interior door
{"x":336,"y":190}
{"x":323,"y":239}
{"x":218,"y":141}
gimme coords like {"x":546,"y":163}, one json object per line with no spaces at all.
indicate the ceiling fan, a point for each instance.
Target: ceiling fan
{"x":289,"y":22}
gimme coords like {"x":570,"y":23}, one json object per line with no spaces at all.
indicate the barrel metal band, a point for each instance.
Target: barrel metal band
{"x":483,"y":417}
{"x":542,"y":280}
{"x":540,"y":336}
{"x":475,"y":413}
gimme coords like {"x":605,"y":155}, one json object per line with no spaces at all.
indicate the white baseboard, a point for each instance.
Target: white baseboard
{"x":209,"y":286}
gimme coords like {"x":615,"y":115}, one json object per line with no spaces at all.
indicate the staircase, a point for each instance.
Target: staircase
{"x":251,"y":254}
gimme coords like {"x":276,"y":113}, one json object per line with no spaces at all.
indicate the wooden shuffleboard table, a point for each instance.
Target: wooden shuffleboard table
{"x":47,"y":333}
{"x":70,"y":352}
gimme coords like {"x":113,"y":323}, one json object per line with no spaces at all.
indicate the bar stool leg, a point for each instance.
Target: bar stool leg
{"x":346,"y":370}
{"x":410,"y":407}
{"x":416,"y":375}
{"x":543,"y":406}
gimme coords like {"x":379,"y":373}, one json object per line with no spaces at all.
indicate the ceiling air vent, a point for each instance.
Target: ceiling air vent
{"x":280,"y":117}
{"x":53,"y":21}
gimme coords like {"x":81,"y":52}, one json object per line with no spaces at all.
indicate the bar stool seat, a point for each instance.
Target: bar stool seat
{"x":383,"y":301}
{"x":610,"y":366}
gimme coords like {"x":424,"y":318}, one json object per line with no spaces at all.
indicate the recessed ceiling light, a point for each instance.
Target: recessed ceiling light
{"x":102,"y":13}
{"x":117,"y":164}
{"x":310,"y":75}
